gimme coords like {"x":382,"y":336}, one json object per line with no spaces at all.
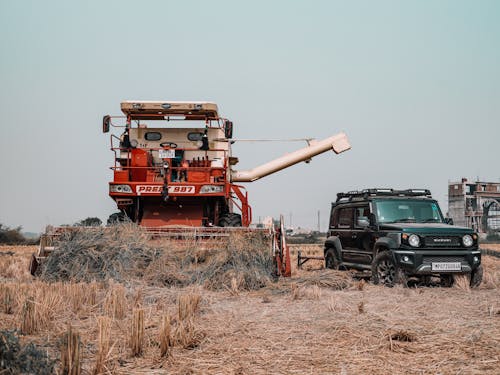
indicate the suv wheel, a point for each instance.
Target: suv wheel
{"x":385,"y":271}
{"x":476,"y":277}
{"x":331,"y":260}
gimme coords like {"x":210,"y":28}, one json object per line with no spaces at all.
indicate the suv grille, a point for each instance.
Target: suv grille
{"x":442,"y":241}
{"x":446,"y":259}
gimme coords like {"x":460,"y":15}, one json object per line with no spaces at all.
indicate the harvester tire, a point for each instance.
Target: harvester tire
{"x":117,"y":217}
{"x":230,"y":220}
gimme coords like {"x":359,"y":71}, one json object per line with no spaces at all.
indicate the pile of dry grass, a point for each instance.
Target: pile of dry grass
{"x":119,"y":253}
{"x":243,"y":262}
{"x":326,"y":278}
{"x":124,"y":252}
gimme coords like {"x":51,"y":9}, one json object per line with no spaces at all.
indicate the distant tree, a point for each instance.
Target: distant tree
{"x":11,"y":236}
{"x":89,"y":222}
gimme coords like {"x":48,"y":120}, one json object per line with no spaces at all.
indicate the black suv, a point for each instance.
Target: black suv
{"x":400,"y":235}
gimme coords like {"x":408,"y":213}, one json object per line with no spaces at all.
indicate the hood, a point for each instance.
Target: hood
{"x":427,"y":228}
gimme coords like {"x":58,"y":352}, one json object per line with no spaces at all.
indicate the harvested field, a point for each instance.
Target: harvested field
{"x":318,"y":321}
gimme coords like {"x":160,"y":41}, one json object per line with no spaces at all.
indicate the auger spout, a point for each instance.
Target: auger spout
{"x":338,"y":143}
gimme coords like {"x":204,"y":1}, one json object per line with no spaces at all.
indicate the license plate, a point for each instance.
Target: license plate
{"x":446,"y":266}
{"x":166,"y":154}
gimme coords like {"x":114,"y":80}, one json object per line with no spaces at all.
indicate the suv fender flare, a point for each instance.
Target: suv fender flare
{"x":384,"y":243}
{"x":333,"y":242}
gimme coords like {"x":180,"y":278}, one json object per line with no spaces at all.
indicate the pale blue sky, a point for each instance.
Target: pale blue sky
{"x":414,"y":84}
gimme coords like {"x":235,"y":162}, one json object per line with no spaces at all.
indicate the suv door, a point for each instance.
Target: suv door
{"x":343,"y":230}
{"x":362,"y":235}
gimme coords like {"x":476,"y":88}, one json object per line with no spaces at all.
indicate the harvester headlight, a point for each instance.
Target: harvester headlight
{"x":211,"y":189}
{"x":120,"y":189}
{"x":467,"y":240}
{"x":414,"y":240}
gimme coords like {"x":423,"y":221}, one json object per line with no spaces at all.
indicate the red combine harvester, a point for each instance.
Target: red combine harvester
{"x":174,"y":175}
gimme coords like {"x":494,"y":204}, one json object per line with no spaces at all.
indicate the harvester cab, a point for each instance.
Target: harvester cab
{"x":172,"y":166}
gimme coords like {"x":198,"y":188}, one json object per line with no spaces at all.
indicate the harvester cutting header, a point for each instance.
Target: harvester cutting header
{"x":174,"y":166}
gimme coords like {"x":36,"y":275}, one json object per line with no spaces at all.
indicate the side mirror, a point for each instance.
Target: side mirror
{"x":363,"y":222}
{"x":228,"y":129}
{"x":106,"y":120}
{"x":448,"y":221}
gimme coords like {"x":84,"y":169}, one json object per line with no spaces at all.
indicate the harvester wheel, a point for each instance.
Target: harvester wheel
{"x":230,"y":220}
{"x":117,"y":217}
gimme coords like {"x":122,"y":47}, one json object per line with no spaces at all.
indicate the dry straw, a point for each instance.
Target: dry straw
{"x":120,"y":252}
{"x":29,"y":317}
{"x":7,"y":299}
{"x":188,"y":305}
{"x":165,"y":336}
{"x":186,"y":335}
{"x":137,"y":332}
{"x":70,"y":353}
{"x":102,"y":364}
{"x":331,"y":279}
{"x":115,"y":303}
{"x":361,"y":307}
{"x":462,"y":282}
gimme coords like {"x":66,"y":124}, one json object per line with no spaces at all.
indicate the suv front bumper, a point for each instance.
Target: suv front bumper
{"x":419,"y":262}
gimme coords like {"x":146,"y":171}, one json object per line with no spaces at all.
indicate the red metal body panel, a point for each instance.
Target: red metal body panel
{"x":155,"y":215}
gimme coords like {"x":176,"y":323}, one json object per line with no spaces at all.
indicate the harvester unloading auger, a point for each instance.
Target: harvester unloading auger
{"x":178,"y":180}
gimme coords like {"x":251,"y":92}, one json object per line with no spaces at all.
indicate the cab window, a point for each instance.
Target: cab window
{"x":152,"y":136}
{"x":345,"y":217}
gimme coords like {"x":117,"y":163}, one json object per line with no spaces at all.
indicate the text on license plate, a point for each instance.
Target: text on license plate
{"x":446,"y":266}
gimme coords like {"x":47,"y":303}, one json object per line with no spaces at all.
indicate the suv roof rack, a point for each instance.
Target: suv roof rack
{"x":365,"y":193}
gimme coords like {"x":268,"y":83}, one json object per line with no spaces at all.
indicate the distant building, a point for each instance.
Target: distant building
{"x":475,"y":205}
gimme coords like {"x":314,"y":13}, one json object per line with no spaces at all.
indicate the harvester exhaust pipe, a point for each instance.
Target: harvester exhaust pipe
{"x":338,"y":143}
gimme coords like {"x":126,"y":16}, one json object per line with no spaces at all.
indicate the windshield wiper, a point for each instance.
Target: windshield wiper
{"x":405,"y":220}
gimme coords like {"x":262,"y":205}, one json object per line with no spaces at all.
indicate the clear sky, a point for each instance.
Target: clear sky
{"x":414,"y":84}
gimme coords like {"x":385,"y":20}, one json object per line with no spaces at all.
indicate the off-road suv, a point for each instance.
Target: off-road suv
{"x":401,"y":236}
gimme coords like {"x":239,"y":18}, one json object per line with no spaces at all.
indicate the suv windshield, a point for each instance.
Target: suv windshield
{"x":412,"y":211}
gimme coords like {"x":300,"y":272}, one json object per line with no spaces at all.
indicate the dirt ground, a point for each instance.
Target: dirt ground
{"x":295,"y":326}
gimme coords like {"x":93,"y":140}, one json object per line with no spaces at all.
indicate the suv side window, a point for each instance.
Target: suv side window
{"x":362,"y":217}
{"x":345,"y":217}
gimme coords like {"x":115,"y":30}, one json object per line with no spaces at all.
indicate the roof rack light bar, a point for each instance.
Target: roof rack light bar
{"x":385,"y":192}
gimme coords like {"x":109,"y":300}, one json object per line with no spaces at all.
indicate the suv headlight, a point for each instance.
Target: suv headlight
{"x":211,"y":189}
{"x":467,"y":240}
{"x":414,"y":240}
{"x":120,"y":189}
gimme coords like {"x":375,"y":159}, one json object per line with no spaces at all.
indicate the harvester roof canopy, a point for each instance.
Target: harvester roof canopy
{"x":154,"y":110}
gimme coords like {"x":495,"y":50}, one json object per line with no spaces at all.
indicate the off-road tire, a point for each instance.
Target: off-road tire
{"x":476,"y":277}
{"x":331,"y":260}
{"x":230,"y":220}
{"x":386,"y":272}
